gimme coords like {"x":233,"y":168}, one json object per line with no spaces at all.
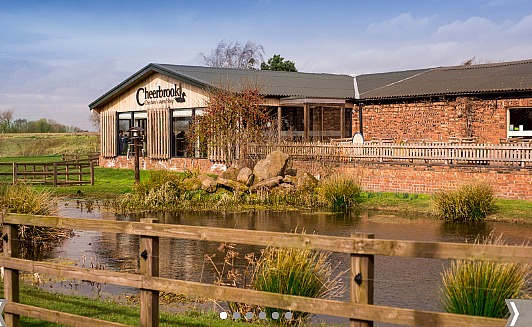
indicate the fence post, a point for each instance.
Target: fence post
{"x":92,"y":172}
{"x":11,"y":276}
{"x":15,"y":173}
{"x":149,"y":266}
{"x":55,"y":174}
{"x":362,"y":274}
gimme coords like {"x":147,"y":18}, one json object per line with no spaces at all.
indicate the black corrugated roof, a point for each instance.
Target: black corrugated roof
{"x":457,"y":80}
{"x":271,"y":83}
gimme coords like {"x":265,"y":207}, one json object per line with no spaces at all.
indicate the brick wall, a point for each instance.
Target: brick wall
{"x":173,"y":164}
{"x":509,"y":183}
{"x":437,"y":121}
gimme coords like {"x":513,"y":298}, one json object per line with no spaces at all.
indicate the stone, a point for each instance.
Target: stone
{"x":230,"y":173}
{"x":273,"y":165}
{"x":268,"y":183}
{"x":208,"y":184}
{"x":245,"y":176}
{"x":291,"y":172}
{"x":232,"y":185}
{"x":288,"y":179}
{"x":287,"y":186}
{"x":306,"y":180}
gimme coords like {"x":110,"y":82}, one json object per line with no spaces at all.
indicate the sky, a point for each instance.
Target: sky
{"x":56,"y":57}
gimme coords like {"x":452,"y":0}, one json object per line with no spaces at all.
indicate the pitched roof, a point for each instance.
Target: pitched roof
{"x":456,"y":80}
{"x":271,"y":83}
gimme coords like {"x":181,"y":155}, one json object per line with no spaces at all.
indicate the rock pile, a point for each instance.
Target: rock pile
{"x":268,"y":173}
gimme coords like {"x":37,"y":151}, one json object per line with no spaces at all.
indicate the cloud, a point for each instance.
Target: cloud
{"x":404,"y":23}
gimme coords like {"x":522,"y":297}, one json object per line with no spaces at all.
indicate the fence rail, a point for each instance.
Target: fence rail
{"x":433,"y":153}
{"x":362,"y":248}
{"x":75,"y":172}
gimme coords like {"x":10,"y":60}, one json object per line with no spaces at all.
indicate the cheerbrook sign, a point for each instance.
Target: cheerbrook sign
{"x":160,"y":96}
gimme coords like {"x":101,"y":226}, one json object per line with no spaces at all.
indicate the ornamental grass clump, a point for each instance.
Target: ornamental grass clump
{"x":340,"y":191}
{"x":299,"y":272}
{"x":479,"y":288}
{"x":470,"y":202}
{"x":24,"y":199}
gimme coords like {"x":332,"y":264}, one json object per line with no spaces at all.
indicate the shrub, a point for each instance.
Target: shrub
{"x":300,"y":272}
{"x":340,"y":192}
{"x":479,"y":288}
{"x":470,"y":202}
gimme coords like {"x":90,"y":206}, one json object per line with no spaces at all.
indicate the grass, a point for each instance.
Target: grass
{"x":479,"y":288}
{"x":301,"y":272}
{"x":340,"y":192}
{"x":110,"y":310}
{"x":39,"y":144}
{"x":111,"y":182}
{"x":470,"y":202}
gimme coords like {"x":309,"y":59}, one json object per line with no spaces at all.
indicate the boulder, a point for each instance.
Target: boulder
{"x":273,"y":165}
{"x":306,"y":180}
{"x":268,"y":183}
{"x":231,"y":173}
{"x":245,"y":176}
{"x":208,"y":184}
{"x":232,"y":185}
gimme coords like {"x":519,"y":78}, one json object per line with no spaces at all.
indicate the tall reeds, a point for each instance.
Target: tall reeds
{"x":470,"y":202}
{"x":479,"y":288}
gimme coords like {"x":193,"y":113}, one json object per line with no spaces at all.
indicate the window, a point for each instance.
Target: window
{"x":127,"y":120}
{"x":180,"y":131}
{"x":520,"y":122}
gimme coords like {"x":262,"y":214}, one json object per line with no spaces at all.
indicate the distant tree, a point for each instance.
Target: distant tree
{"x":278,"y":63}
{"x":235,"y":55}
{"x":5,"y":121}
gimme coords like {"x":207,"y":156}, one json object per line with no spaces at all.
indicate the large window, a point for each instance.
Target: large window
{"x":520,"y":122}
{"x":127,"y":120}
{"x":181,"y":120}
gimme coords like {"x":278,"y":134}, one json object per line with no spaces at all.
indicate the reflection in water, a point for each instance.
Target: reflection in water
{"x":402,"y":282}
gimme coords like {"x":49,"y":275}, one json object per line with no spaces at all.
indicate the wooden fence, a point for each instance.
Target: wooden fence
{"x":75,"y":172}
{"x":360,"y":310}
{"x":512,"y":154}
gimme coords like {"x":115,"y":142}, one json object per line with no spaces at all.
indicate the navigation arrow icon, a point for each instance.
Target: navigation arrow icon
{"x":520,"y":313}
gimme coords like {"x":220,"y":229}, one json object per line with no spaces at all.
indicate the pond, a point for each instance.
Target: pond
{"x":403,"y":282}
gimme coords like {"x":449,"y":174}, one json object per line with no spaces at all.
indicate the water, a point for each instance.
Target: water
{"x":402,"y":282}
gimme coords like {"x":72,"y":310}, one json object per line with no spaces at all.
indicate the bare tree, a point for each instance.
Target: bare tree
{"x":95,"y":120}
{"x":235,"y":55}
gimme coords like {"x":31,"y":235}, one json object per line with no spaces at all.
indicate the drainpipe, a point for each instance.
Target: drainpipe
{"x":360,"y":125}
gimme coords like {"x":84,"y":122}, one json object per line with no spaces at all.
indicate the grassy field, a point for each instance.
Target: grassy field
{"x":47,"y":144}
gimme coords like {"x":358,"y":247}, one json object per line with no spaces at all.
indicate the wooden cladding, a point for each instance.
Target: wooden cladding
{"x":109,"y":134}
{"x":158,"y":134}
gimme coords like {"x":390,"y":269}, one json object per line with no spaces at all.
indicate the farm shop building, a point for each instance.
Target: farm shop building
{"x":163,"y":100}
{"x":488,"y":103}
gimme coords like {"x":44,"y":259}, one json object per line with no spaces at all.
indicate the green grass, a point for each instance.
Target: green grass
{"x":39,"y":144}
{"x":109,"y":310}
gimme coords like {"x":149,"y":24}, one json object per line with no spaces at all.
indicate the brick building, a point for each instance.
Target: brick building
{"x":489,"y":102}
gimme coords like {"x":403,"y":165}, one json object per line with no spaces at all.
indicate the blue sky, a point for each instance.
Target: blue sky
{"x":58,"y":56}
